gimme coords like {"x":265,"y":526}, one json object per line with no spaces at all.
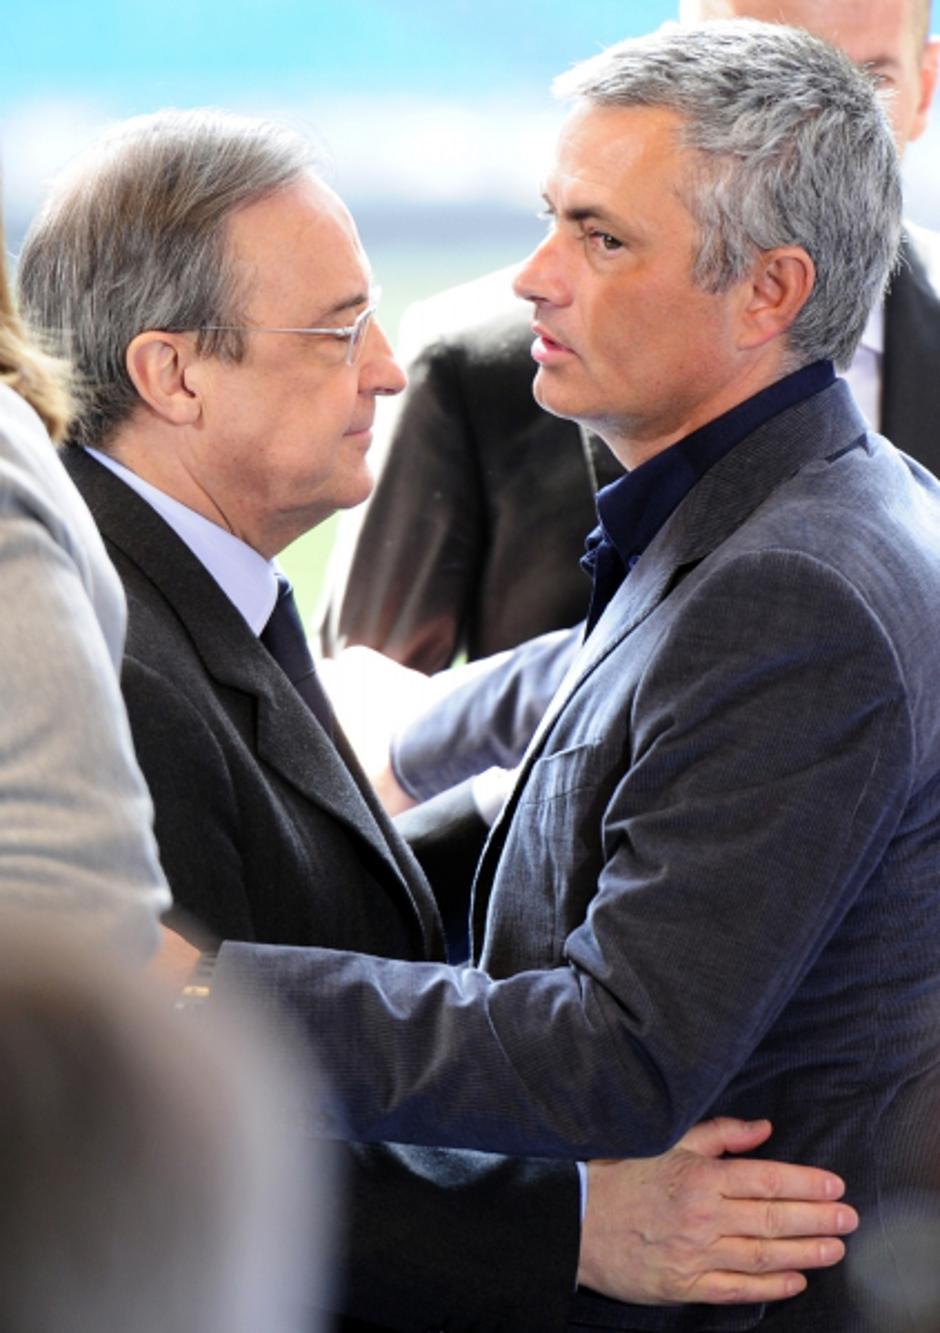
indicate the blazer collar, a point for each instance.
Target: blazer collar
{"x":717,"y":505}
{"x":289,"y":738}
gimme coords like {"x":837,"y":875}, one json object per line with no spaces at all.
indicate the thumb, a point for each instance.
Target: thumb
{"x":723,"y":1134}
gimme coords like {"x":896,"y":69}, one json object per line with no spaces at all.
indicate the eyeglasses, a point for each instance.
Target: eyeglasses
{"x":352,"y":334}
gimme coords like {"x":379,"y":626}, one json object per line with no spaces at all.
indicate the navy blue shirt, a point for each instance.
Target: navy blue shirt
{"x":632,"y":509}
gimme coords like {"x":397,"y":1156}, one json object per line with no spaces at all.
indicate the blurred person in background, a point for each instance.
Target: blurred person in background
{"x":471,"y":540}
{"x":75,"y":832}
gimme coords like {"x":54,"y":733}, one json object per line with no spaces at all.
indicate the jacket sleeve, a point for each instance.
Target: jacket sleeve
{"x":482,"y":715}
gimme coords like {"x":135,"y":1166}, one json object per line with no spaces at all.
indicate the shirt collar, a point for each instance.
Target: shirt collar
{"x":247,"y":579}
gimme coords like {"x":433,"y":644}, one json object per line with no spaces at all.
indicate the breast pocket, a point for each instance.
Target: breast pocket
{"x":555,"y":848}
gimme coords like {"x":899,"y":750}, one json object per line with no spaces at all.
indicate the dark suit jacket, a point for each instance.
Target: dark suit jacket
{"x":472,"y":538}
{"x":264,"y":835}
{"x":715,"y":887}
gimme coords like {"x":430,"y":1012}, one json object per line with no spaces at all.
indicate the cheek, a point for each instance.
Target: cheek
{"x":326,"y":405}
{"x":905,"y":121}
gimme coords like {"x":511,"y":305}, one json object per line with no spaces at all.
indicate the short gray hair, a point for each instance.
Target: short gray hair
{"x":793,"y":148}
{"x":134,"y":238}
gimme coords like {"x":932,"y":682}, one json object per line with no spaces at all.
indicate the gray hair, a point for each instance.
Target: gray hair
{"x":793,"y":149}
{"x":134,"y":238}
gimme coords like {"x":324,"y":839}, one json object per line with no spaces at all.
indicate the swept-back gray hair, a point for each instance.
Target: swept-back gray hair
{"x":792,"y":148}
{"x":134,"y":238}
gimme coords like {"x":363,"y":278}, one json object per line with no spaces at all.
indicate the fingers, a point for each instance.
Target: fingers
{"x":740,"y":1289}
{"x":724,"y":1134}
{"x":742,"y":1254}
{"x":763,"y":1270}
{"x":780,"y":1219}
{"x":778,"y":1180}
{"x":771,"y":1271}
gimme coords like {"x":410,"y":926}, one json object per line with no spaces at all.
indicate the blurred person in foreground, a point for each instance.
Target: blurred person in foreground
{"x":714,"y":885}
{"x":144,"y":1167}
{"x":152,"y":1179}
{"x":75,"y":831}
{"x":471,"y":540}
{"x":230,"y":394}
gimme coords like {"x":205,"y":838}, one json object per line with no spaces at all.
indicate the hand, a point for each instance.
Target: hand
{"x":390,"y":792}
{"x":174,"y":960}
{"x":373,"y":698}
{"x":688,"y":1226}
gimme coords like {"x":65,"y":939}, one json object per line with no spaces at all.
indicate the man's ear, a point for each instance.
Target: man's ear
{"x":157,"y":363}
{"x":780,"y":285}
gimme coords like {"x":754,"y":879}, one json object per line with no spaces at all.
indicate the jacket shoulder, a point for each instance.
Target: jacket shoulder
{"x":925,"y":245}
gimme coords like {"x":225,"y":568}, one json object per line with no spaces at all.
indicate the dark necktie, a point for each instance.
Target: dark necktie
{"x":284,"y":638}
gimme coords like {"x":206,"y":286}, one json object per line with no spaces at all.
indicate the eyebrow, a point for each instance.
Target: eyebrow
{"x":586,"y":212}
{"x":583,"y":213}
{"x":348,"y":303}
{"x":884,"y":62}
{"x":595,"y":213}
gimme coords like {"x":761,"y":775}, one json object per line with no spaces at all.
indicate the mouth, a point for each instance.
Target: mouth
{"x":547,"y":350}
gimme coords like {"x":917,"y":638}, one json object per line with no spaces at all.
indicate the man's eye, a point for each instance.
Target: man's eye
{"x":881,"y":78}
{"x":604,"y":240}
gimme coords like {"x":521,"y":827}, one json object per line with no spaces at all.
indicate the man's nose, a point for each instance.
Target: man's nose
{"x":542,"y":276}
{"x":380,"y":373}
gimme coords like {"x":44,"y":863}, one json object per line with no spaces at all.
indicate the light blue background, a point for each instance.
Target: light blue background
{"x":434,"y":118}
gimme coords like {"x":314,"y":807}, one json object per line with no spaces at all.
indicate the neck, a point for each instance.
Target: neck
{"x":634,"y":443}
{"x":163,"y":462}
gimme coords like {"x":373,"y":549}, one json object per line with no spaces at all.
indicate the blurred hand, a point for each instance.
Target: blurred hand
{"x":373,"y":698}
{"x":174,"y":960}
{"x":689,"y":1226}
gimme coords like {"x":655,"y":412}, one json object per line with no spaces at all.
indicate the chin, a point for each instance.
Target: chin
{"x":550,"y":398}
{"x":544,"y":395}
{"x":358,"y":490}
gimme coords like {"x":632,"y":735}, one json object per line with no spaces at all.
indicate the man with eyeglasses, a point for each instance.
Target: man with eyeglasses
{"x":218,"y":306}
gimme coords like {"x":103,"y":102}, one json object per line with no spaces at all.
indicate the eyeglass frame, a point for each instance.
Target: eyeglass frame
{"x":353,"y":334}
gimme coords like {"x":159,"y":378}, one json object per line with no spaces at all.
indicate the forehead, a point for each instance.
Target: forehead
{"x":617,"y":152}
{"x":300,"y":244}
{"x":866,"y":30}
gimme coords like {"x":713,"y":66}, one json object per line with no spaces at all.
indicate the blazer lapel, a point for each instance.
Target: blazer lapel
{"x":716,"y":506}
{"x":327,"y":772}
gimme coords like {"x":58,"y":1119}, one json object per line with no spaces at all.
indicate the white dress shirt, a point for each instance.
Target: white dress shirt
{"x":247,"y":579}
